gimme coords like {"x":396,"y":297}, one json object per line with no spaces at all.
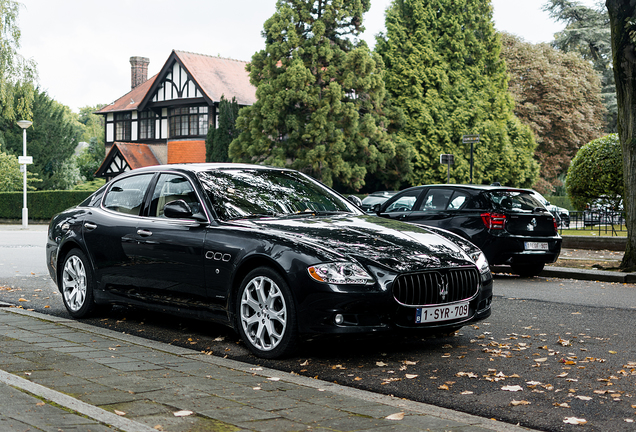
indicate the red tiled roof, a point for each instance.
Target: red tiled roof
{"x":220,"y":76}
{"x":215,"y":76}
{"x":186,"y":151}
{"x":137,"y":155}
{"x":131,"y":100}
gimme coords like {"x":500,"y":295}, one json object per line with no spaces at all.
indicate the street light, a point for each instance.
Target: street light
{"x":24,"y":160}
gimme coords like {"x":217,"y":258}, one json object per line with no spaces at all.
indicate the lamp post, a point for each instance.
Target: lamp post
{"x":24,"y":160}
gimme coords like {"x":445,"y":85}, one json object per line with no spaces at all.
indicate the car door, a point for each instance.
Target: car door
{"x":432,"y":209}
{"x":169,"y":252}
{"x":110,"y":233}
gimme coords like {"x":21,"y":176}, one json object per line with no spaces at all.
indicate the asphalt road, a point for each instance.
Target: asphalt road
{"x":553,"y":350}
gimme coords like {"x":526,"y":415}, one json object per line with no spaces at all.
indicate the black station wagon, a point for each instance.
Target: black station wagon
{"x":270,"y":252}
{"x":511,"y":226}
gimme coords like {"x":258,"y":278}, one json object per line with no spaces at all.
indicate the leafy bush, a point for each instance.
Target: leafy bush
{"x":595,"y":175}
{"x":42,"y":205}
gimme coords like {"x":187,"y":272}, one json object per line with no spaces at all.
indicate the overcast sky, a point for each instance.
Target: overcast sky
{"x":83,"y":47}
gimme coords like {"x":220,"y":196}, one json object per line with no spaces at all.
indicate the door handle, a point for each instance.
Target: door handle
{"x":144,"y":233}
{"x":90,"y":226}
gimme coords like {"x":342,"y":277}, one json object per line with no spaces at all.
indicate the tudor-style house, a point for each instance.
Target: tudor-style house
{"x":165,"y":119}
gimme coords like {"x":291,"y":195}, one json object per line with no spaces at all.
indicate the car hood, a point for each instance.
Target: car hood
{"x":385,"y":242}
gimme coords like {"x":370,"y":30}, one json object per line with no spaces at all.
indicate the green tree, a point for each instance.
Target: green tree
{"x":320,"y":94}
{"x":10,"y":176}
{"x":51,"y":141}
{"x":90,"y":159}
{"x":16,"y":73}
{"x":443,"y":69}
{"x":622,"y":15}
{"x":218,"y":140}
{"x":94,"y":124}
{"x":587,"y":32}
{"x":596,"y":174}
{"x":558,"y":96}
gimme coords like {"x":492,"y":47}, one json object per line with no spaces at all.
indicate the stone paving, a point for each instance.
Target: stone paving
{"x":62,"y":375}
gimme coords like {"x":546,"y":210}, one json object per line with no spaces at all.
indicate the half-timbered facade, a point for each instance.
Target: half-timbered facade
{"x":168,"y":116}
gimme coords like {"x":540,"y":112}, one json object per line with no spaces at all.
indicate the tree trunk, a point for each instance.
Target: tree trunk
{"x":622,"y":14}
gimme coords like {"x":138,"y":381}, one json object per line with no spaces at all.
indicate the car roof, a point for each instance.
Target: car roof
{"x":198,"y":167}
{"x":476,"y":187}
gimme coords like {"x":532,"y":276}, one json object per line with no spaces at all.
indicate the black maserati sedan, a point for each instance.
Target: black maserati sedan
{"x":270,"y":252}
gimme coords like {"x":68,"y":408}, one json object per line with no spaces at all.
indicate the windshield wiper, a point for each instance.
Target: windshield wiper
{"x":316,"y":213}
{"x":255,"y":216}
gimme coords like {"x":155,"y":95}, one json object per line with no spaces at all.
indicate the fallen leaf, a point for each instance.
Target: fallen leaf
{"x":443,"y":387}
{"x":562,"y":405}
{"x":519,"y":402}
{"x":585,"y":398}
{"x":273,"y":379}
{"x":466,"y":392}
{"x":40,"y":404}
{"x":158,"y":427}
{"x":183,"y":413}
{"x":256,"y":388}
{"x":411,"y":376}
{"x":357,"y":379}
{"x":120,"y":413}
{"x":22,"y":299}
{"x":562,"y":375}
{"x":381,"y":364}
{"x":629,"y":421}
{"x":512,"y":388}
{"x":410,"y":363}
{"x":541,"y":360}
{"x":574,"y":421}
{"x":305,"y":363}
{"x":396,"y":416}
{"x":612,"y":352}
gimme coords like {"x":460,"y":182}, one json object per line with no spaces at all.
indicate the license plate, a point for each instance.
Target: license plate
{"x":536,"y":246}
{"x":441,"y":313}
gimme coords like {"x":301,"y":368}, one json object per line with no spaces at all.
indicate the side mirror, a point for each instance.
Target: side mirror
{"x":377,"y":208}
{"x":177,"y":209}
{"x":355,"y":200}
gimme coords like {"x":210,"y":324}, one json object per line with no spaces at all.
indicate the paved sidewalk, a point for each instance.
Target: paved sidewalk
{"x":61,"y":375}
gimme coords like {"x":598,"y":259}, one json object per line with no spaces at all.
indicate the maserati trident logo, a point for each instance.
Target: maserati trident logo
{"x":442,"y":284}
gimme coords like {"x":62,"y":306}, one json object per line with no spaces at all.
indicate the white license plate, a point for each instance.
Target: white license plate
{"x":536,"y":246}
{"x":441,"y":313}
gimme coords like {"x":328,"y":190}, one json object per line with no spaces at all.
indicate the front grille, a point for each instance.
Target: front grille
{"x":436,"y":287}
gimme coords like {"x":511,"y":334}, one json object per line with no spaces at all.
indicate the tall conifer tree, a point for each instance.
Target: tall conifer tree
{"x":219,"y":139}
{"x":320,"y":96}
{"x":443,"y":68}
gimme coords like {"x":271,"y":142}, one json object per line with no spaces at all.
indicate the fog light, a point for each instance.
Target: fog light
{"x":338,"y":319}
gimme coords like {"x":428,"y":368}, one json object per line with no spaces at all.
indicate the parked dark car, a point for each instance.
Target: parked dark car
{"x":509,"y":225}
{"x":270,"y":252}
{"x":375,"y":198}
{"x":562,"y":215}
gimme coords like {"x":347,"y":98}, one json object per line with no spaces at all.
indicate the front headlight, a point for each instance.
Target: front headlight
{"x":480,"y":261}
{"x":340,"y":273}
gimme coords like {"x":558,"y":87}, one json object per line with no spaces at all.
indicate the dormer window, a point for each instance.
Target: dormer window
{"x":188,"y":121}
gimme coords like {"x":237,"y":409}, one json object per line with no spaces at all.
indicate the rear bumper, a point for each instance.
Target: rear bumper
{"x":512,"y":250}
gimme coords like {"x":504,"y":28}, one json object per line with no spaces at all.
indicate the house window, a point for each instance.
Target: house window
{"x":147,"y":125}
{"x":122,"y":126}
{"x":188,"y":121}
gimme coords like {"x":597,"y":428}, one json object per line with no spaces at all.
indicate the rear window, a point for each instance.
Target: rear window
{"x":514,"y":200}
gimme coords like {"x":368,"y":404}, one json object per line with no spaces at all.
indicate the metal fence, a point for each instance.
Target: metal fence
{"x":603,"y":221}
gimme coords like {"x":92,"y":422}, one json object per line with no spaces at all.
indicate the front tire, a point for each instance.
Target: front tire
{"x":527,"y":270}
{"x":76,"y":284}
{"x":266,"y":314}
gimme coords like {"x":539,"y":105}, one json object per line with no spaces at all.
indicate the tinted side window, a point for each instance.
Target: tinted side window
{"x":403,"y":202}
{"x":436,"y":199}
{"x":172,"y":187}
{"x":127,"y":195}
{"x":458,"y":200}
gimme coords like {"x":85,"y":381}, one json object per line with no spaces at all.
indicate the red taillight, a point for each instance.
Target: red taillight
{"x":556,"y":226}
{"x":494,"y":220}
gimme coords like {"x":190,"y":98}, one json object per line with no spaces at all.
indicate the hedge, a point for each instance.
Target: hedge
{"x":560,"y":201}
{"x":42,"y":205}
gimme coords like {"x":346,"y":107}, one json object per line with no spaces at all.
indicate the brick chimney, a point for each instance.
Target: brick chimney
{"x":138,"y":71}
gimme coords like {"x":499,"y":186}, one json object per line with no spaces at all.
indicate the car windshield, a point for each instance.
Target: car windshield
{"x":245,"y":193}
{"x":515,"y":200}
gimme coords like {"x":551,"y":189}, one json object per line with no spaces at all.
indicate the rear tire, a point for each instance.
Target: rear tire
{"x":527,"y":270}
{"x":266,"y":314}
{"x":76,"y":284}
